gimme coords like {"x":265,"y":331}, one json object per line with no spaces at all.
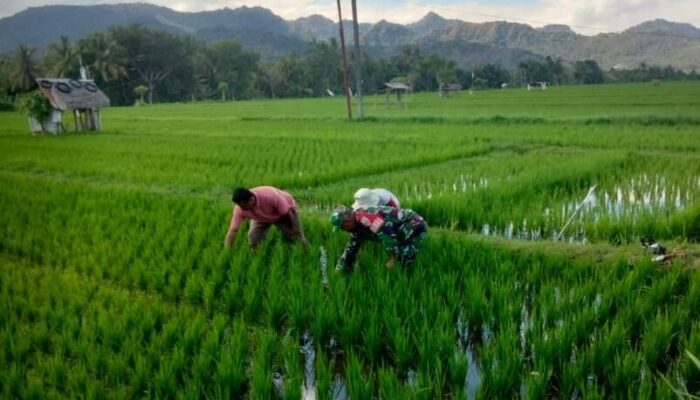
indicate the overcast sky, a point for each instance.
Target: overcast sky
{"x":583,"y":16}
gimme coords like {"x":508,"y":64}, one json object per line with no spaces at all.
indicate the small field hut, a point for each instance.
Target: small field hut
{"x":447,"y":88}
{"x":396,"y":87}
{"x":83,"y":97}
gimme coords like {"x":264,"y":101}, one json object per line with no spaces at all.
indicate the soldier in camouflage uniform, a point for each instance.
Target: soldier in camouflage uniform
{"x":400,"y":231}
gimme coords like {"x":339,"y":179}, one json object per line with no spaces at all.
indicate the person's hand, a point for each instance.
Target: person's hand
{"x":230,"y":236}
{"x":390,"y":262}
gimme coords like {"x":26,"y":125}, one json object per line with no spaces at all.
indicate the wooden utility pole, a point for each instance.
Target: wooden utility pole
{"x":358,"y":60}
{"x":345,"y":63}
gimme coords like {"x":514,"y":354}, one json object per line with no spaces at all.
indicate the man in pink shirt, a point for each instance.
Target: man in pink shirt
{"x":265,"y":206}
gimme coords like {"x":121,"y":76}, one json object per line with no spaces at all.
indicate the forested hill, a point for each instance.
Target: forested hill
{"x":655,"y":42}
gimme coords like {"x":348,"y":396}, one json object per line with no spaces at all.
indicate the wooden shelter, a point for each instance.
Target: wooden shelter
{"x":82,"y":96}
{"x":447,"y":88}
{"x":398,"y":88}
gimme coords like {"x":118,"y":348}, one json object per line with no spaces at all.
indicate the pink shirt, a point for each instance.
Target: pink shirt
{"x":271,"y":204}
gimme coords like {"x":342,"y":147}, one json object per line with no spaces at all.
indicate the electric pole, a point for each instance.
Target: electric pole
{"x":345,"y":62}
{"x":358,"y":60}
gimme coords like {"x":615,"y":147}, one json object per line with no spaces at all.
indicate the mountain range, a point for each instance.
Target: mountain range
{"x":657,"y":42}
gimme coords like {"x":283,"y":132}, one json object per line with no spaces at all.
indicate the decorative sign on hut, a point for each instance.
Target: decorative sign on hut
{"x":83,"y":97}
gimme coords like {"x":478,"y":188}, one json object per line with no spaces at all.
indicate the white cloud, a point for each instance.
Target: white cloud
{"x":587,"y":17}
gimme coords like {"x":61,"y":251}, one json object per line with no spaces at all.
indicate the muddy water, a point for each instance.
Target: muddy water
{"x":466,"y":342}
{"x":308,"y":390}
{"x":308,"y":351}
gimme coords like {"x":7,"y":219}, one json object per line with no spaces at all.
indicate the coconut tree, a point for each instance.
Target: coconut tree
{"x":223,"y":88}
{"x":24,"y":69}
{"x":141,"y":90}
{"x":104,"y":56}
{"x":61,"y":58}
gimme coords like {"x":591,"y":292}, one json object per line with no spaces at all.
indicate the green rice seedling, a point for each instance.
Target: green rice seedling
{"x":118,"y":370}
{"x":252,"y":295}
{"x":373,"y":338}
{"x":78,"y":379}
{"x":689,"y":368}
{"x":350,"y":317}
{"x":140,"y":384}
{"x":298,"y":308}
{"x":625,"y":375}
{"x":193,"y":390}
{"x":657,"y":342}
{"x":389,"y":386}
{"x":169,"y":375}
{"x":35,"y":390}
{"x":501,"y":364}
{"x":691,"y":301}
{"x":324,"y":376}
{"x":202,"y":363}
{"x":593,"y":391}
{"x":457,"y":366}
{"x":475,"y":302}
{"x":606,"y":344}
{"x":261,"y":367}
{"x":536,"y":384}
{"x":360,"y":385}
{"x":323,"y":319}
{"x":574,"y":375}
{"x":275,"y":301}
{"x":54,"y":372}
{"x":230,"y":369}
{"x":666,"y":289}
{"x":233,"y":294}
{"x":399,"y":337}
{"x":192,"y":336}
{"x":294,"y":374}
{"x":665,"y":392}
{"x":194,"y":288}
{"x":427,"y":347}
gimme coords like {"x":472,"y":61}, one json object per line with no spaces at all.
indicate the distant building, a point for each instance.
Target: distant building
{"x":81,"y":96}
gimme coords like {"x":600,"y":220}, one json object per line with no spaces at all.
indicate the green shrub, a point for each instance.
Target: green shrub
{"x":35,"y":105}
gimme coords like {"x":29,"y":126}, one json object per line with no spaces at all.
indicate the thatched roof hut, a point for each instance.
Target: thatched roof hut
{"x":72,"y":94}
{"x":81,"y":96}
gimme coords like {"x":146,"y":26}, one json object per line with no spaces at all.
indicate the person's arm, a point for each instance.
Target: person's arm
{"x":236,"y":221}
{"x":347,"y":259}
{"x":230,"y":236}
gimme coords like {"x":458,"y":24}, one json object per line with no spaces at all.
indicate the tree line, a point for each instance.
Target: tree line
{"x":135,"y":64}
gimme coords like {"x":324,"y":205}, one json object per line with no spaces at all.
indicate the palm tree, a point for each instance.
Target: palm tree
{"x":24,"y":69}
{"x":106,"y":56}
{"x":223,"y":88}
{"x":60,"y":59}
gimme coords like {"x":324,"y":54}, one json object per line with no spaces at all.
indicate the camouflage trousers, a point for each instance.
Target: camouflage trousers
{"x":408,"y":249}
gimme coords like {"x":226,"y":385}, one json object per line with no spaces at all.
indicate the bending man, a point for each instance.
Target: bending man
{"x":400,"y":231}
{"x":265,"y":206}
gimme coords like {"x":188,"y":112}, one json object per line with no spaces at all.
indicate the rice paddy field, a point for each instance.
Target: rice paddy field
{"x":115,"y":284}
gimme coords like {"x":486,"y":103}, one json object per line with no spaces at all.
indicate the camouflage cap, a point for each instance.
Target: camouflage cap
{"x":339,"y":216}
